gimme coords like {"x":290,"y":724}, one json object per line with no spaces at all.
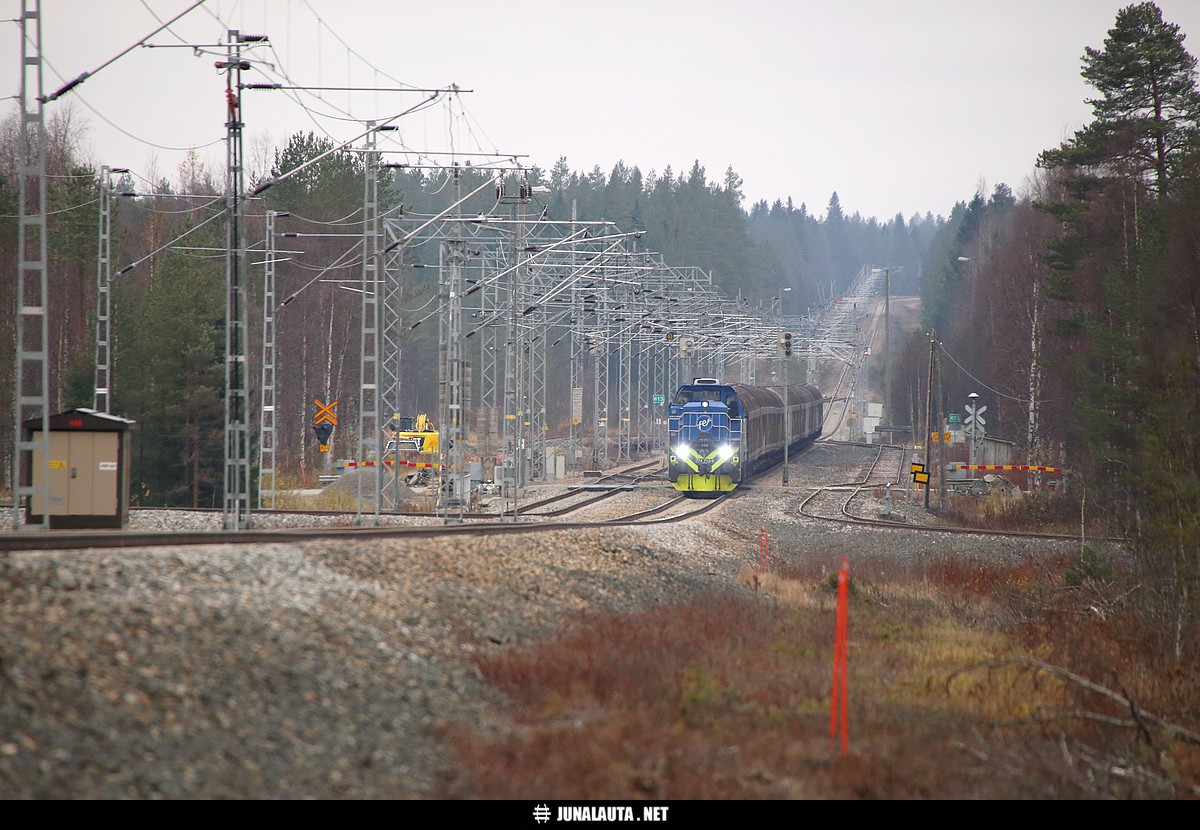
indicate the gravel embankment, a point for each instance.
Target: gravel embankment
{"x":321,"y":669}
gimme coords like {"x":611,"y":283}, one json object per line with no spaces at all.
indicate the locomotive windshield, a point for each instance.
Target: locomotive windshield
{"x":694,"y":395}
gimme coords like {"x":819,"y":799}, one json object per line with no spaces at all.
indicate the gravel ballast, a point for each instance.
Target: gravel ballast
{"x":322,"y":669}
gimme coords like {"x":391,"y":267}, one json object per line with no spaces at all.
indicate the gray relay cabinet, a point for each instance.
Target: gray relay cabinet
{"x":88,"y":468}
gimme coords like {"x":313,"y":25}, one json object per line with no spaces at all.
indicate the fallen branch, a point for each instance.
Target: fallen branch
{"x":1138,"y":715}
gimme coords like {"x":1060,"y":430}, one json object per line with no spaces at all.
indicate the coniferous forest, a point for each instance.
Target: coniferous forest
{"x":1075,"y":305}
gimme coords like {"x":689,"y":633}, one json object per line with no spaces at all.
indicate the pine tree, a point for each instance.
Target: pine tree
{"x":1125,"y":189}
{"x":1148,"y":107}
{"x":171,"y":365}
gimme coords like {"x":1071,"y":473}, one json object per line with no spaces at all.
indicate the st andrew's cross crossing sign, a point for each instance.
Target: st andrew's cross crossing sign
{"x":975,"y":415}
{"x":975,"y":424}
{"x":324,"y":422}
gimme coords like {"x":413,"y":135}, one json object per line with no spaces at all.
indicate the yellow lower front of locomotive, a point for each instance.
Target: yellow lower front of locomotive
{"x":713,"y":484}
{"x":710,"y":474}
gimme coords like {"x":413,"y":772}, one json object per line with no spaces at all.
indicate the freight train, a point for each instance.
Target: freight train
{"x":723,"y":433}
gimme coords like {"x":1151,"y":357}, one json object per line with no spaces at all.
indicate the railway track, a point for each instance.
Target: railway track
{"x":837,"y":502}
{"x":603,"y":489}
{"x":837,"y":505}
{"x":597,"y":503}
{"x":539,"y":515}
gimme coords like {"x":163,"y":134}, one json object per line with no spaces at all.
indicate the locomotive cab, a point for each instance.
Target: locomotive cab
{"x":705,"y":439}
{"x":721,"y":434}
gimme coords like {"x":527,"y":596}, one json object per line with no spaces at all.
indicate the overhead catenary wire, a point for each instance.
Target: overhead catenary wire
{"x":997,"y":392}
{"x":122,"y":130}
{"x":180,"y":212}
{"x":337,"y":263}
{"x":322,"y":24}
{"x":54,"y":212}
{"x":315,"y":116}
{"x":325,"y":268}
{"x":271,"y":182}
{"x":277,"y":68}
{"x":162,"y":248}
{"x":342,"y":222}
{"x":83,"y":77}
{"x":160,"y":211}
{"x":293,"y":92}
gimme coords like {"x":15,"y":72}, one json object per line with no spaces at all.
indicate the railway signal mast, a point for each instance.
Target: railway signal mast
{"x":785,"y":355}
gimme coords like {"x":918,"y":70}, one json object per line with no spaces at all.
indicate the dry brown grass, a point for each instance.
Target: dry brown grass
{"x":964,"y":682}
{"x":1042,"y":512}
{"x":340,"y":501}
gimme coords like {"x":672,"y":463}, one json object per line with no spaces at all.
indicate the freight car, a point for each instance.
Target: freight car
{"x":720,"y":434}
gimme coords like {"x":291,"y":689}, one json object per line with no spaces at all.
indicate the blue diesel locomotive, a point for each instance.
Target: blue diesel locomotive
{"x":722,"y":433}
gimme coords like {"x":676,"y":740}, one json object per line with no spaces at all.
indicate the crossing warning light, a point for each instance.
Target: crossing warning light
{"x":323,"y":431}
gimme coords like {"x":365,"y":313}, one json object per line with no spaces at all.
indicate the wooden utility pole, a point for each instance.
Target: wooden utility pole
{"x":887,"y":347}
{"x":929,"y":411}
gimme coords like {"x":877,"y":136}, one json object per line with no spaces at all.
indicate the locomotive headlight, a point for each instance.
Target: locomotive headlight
{"x":725,"y":452}
{"x":683,"y":450}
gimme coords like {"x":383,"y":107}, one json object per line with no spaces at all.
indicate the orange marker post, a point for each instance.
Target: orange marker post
{"x":764,"y":549}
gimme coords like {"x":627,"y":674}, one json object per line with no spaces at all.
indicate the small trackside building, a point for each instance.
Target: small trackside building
{"x":88,"y":468}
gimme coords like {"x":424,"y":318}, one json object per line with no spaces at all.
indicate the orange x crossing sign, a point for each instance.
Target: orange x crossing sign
{"x":325,"y":413}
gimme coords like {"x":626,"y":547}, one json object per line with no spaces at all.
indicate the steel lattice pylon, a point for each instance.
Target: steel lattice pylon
{"x":31,"y":457}
{"x":391,"y":313}
{"x":102,"y":375}
{"x":369,"y":430}
{"x":237,"y":438}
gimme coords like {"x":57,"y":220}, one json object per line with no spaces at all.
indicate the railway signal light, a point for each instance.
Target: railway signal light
{"x":785,"y":344}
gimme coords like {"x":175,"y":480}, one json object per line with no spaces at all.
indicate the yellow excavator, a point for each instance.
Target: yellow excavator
{"x":416,"y":435}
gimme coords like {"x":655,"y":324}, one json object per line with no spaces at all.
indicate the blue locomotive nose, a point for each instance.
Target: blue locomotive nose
{"x":719,"y":433}
{"x":704,"y":446}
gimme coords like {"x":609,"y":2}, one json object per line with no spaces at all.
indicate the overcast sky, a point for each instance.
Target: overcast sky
{"x":899,"y":107}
